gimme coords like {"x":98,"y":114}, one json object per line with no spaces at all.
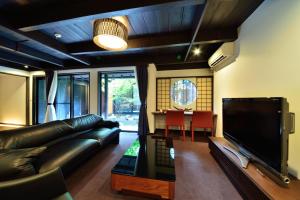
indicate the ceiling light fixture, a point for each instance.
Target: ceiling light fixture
{"x":110,"y":34}
{"x":57,"y":35}
{"x":197,"y":51}
{"x":26,"y":66}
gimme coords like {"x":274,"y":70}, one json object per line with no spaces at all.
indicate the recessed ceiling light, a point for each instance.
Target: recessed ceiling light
{"x":26,"y":66}
{"x":197,"y":51}
{"x":57,"y":35}
{"x":178,"y":57}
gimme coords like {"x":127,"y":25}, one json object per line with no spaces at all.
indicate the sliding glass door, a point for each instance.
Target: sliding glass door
{"x":119,"y":100}
{"x":62,"y":101}
{"x":40,"y":100}
{"x":72,"y":97}
{"x":80,"y":95}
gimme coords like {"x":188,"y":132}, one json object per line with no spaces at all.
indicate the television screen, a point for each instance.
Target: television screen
{"x":255,"y":125}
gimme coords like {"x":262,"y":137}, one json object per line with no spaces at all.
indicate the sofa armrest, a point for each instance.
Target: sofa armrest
{"x":108,"y":124}
{"x":48,"y":185}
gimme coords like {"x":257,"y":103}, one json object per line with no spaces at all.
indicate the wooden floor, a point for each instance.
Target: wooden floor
{"x":198,"y":176}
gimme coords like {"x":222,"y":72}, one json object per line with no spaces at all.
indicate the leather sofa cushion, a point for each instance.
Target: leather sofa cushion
{"x":34,"y":136}
{"x":84,"y":123}
{"x":18,"y":163}
{"x":44,"y":186}
{"x":66,"y":154}
{"x":103,"y":135}
{"x":108,"y":124}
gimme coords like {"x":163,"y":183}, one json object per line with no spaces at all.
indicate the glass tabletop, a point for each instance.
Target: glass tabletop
{"x":149,"y":156}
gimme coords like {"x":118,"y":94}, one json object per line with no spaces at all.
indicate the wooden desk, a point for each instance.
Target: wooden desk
{"x":159,"y":120}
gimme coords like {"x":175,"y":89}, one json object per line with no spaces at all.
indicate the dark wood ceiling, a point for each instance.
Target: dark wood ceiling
{"x":160,"y":31}
{"x":144,"y":23}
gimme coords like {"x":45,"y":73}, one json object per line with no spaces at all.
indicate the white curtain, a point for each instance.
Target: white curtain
{"x":50,"y":112}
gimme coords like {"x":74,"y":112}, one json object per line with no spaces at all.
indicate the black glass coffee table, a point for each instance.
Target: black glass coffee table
{"x":147,"y":167}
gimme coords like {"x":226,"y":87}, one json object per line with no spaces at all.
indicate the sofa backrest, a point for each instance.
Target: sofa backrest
{"x":34,"y":136}
{"x":85,"y":122}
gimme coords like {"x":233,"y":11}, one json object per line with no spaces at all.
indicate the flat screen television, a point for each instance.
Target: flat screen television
{"x":258,"y":126}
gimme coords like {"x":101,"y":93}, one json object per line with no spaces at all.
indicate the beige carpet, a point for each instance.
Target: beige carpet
{"x":198,"y":176}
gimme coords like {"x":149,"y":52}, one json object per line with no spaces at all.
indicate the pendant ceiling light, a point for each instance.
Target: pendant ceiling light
{"x":110,"y":34}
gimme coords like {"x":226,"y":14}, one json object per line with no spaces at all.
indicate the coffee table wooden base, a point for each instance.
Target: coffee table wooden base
{"x":164,"y":189}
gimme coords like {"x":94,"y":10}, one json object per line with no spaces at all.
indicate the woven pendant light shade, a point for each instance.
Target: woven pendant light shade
{"x":110,"y":34}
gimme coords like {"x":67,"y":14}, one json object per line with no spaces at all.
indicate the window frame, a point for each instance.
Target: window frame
{"x":99,"y":100}
{"x":35,"y":99}
{"x":99,"y":93}
{"x":184,"y":77}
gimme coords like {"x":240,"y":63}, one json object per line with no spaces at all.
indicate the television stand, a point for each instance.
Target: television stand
{"x":250,"y":182}
{"x":243,"y":159}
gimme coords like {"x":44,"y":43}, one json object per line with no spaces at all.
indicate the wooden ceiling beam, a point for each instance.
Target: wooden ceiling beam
{"x":197,"y":28}
{"x":19,"y":60}
{"x":17,"y":48}
{"x":54,"y":45}
{"x":134,"y":44}
{"x":133,"y":60}
{"x":13,"y":65}
{"x":157,"y":42}
{"x":89,"y":10}
{"x":215,"y":36}
{"x":40,"y":40}
{"x":183,"y":65}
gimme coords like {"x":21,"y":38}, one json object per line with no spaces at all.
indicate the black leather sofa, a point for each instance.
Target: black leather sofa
{"x":48,"y":185}
{"x":59,"y":144}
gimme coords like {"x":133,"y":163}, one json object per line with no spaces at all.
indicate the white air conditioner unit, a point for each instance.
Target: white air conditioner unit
{"x":224,"y":56}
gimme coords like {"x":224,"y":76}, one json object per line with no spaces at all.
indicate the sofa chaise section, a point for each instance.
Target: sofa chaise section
{"x":67,"y":143}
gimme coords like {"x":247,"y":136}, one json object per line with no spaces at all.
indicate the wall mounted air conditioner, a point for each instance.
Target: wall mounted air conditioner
{"x":224,"y":56}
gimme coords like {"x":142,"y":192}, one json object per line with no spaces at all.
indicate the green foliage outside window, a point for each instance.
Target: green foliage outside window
{"x":124,"y":95}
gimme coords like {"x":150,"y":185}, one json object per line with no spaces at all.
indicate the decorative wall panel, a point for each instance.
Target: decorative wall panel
{"x":204,"y":100}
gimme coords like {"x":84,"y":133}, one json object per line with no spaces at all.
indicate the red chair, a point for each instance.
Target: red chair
{"x":175,"y":118}
{"x":202,"y":119}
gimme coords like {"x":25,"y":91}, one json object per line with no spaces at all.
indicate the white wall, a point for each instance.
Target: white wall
{"x":268,"y":64}
{"x":12,"y":99}
{"x":18,"y":113}
{"x":151,"y":96}
{"x":27,"y":74}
